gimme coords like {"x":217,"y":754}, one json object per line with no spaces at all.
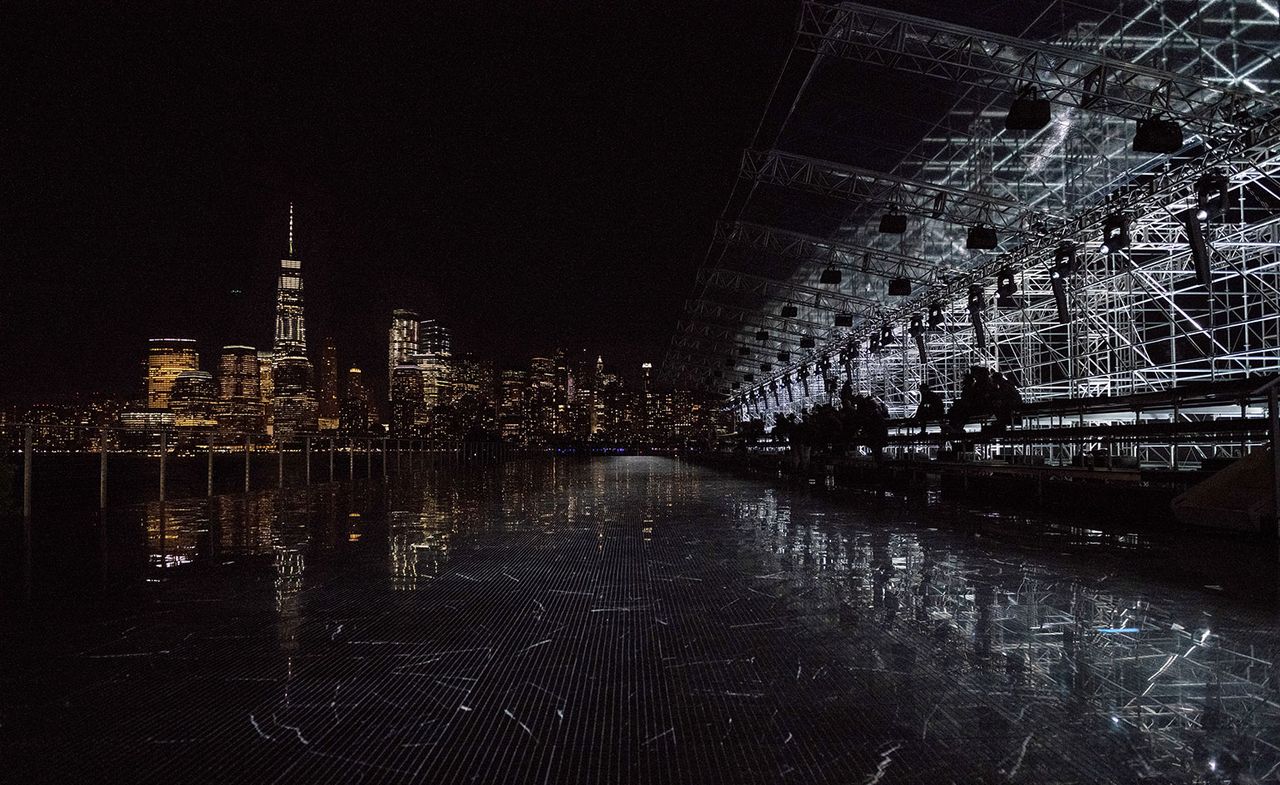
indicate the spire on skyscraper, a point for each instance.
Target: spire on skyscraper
{"x":290,"y":230}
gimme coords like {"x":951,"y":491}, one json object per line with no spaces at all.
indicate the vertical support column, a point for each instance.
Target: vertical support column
{"x":103,"y":448}
{"x":330,"y":458}
{"x":164,"y":449}
{"x":28,"y":436}
{"x":306,"y":449}
{"x":246,"y":463}
{"x":1273,"y":413}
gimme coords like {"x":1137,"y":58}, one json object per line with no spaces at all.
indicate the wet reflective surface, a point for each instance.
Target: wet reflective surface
{"x":618,"y":620}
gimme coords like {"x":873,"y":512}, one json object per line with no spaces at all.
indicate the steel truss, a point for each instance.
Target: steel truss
{"x":1142,"y":320}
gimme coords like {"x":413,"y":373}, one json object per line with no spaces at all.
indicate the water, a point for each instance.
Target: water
{"x":621,"y":620}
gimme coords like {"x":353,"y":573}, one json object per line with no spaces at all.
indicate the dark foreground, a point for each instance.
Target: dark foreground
{"x":619,"y":620}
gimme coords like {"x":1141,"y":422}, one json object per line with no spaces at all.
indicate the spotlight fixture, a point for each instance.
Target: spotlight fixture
{"x":765,"y":367}
{"x":1028,"y":112}
{"x":784,"y":357}
{"x":893,"y":222}
{"x":977,"y":301}
{"x":830,"y":276}
{"x":873,"y":343}
{"x":916,"y":329}
{"x":1211,"y":195}
{"x":1157,"y":134}
{"x":762,"y":335}
{"x":789,"y":311}
{"x":1064,"y":259}
{"x":844,"y":320}
{"x":886,"y":335}
{"x":981,"y":238}
{"x":1058,"y":274}
{"x":1200,"y":250}
{"x":806,"y":342}
{"x":899,"y":287}
{"x":1115,"y":233}
{"x":936,"y":319}
{"x":1007,"y":289}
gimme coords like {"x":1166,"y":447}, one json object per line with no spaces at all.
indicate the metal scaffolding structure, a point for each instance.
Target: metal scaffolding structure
{"x":799,"y":252}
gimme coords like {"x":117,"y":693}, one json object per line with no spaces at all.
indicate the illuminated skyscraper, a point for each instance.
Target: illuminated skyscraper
{"x":403,"y":343}
{"x":267,"y":388}
{"x":193,"y":400}
{"x":167,"y":358}
{"x":434,"y":338}
{"x":406,"y":399}
{"x":291,"y":330}
{"x":354,"y":415}
{"x":511,"y":406}
{"x":294,"y":407}
{"x":240,"y":407}
{"x":327,"y":405}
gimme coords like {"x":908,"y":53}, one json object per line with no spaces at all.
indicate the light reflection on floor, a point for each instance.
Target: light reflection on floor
{"x":624,"y":620}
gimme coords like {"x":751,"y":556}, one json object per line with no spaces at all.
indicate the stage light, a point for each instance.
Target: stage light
{"x":1157,"y":135}
{"x":806,"y":342}
{"x":789,"y":311}
{"x":936,"y":319}
{"x":765,"y":367}
{"x":1211,"y":195}
{"x":981,"y":238}
{"x":916,"y":330}
{"x":1200,"y":250}
{"x":977,"y":301}
{"x":893,"y":222}
{"x":830,"y":276}
{"x":784,"y":357}
{"x":1058,"y":283}
{"x":886,"y":335}
{"x":1064,"y":258}
{"x":1115,"y":233}
{"x":1007,"y":289}
{"x":873,"y":343}
{"x":762,"y":335}
{"x":844,"y":320}
{"x":899,"y":287}
{"x":1028,"y":112}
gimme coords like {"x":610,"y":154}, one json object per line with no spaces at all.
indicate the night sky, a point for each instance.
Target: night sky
{"x":536,"y":175}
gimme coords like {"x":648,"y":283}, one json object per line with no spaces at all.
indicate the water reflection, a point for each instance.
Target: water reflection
{"x":759,"y":614}
{"x":1178,"y":689}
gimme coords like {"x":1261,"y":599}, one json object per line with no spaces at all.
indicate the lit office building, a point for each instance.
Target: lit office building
{"x":267,"y":388}
{"x":406,"y":399}
{"x":436,"y":380}
{"x":327,"y":403}
{"x":167,"y":358}
{"x":240,"y":390}
{"x":511,"y":409}
{"x":294,"y":409}
{"x":194,"y":400}
{"x":434,"y":338}
{"x":403,"y":343}
{"x":354,"y":414}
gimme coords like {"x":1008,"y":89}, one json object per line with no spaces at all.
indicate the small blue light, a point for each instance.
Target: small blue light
{"x":1118,"y":629}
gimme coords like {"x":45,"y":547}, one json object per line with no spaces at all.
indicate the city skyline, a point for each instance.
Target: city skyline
{"x":139,"y":197}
